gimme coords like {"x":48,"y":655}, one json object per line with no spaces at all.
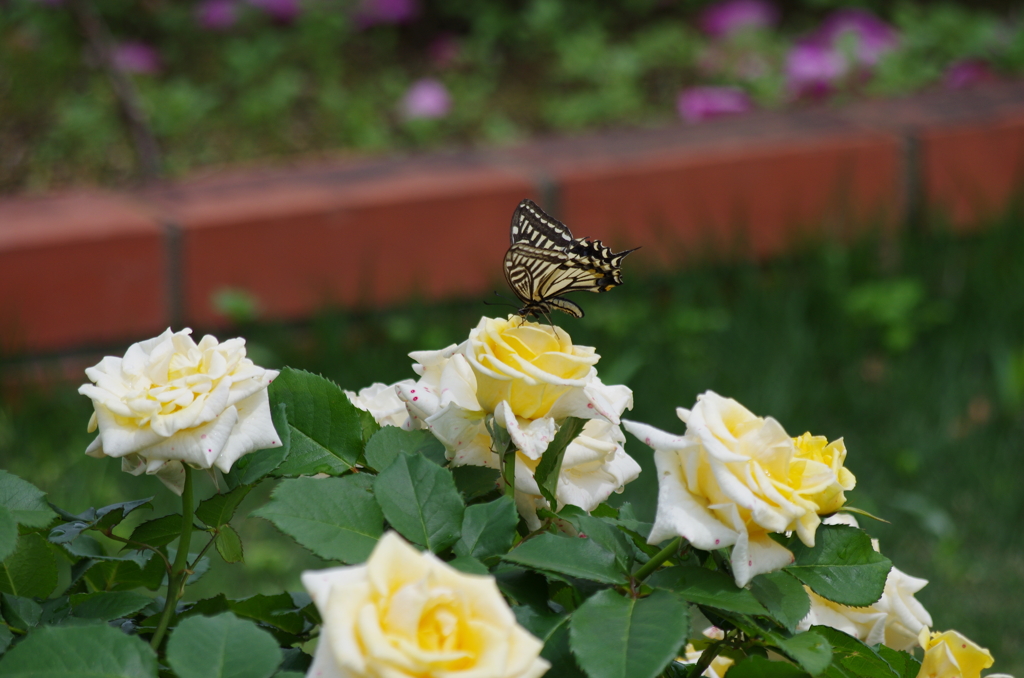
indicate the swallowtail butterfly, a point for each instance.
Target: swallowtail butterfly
{"x":544,"y":262}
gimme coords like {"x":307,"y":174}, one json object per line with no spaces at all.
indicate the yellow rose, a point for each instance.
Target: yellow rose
{"x":950,"y":655}
{"x":407,"y":614}
{"x":527,"y":364}
{"x":735,"y":477}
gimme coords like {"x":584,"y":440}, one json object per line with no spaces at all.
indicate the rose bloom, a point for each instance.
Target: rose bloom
{"x":734,"y":477}
{"x":528,"y":376}
{"x":170,"y":401}
{"x":382,"y":402}
{"x":719,"y":665}
{"x":426,"y":98}
{"x":408,"y":614}
{"x":950,"y":655}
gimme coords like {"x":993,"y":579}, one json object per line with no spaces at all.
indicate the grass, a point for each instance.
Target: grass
{"x":912,"y":350}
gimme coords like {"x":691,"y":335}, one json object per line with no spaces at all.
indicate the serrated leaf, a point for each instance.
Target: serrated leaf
{"x":707,"y":587}
{"x":77,"y":651}
{"x":20,"y":612}
{"x":25,"y":501}
{"x":30,"y":571}
{"x":158,"y":532}
{"x":220,"y":508}
{"x":607,"y":535}
{"x":335,"y":518}
{"x":229,"y":544}
{"x":86,"y":547}
{"x":488,"y":529}
{"x":120,"y":575}
{"x":325,"y":429}
{"x":761,"y":667}
{"x":255,"y":466}
{"x":8,"y":533}
{"x":852,"y":658}
{"x":902,"y":664}
{"x":842,"y":566}
{"x":469,"y":565}
{"x":475,"y":481}
{"x":222,"y":647}
{"x":550,"y":466}
{"x":810,"y":650}
{"x":613,"y":636}
{"x":104,"y":606}
{"x":5,"y":638}
{"x":277,"y":610}
{"x":583,"y":558}
{"x":109,"y":516}
{"x":783,"y":596}
{"x":390,"y":441}
{"x":420,"y":501}
{"x":553,"y":630}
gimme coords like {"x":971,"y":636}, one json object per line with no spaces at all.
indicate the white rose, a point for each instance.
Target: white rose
{"x":406,"y":614}
{"x":382,"y":402}
{"x":718,"y":667}
{"x":733,"y":478}
{"x":170,"y":401}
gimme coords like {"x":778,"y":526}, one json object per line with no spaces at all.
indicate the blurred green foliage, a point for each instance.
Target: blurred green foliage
{"x":261,"y":89}
{"x":913,"y":351}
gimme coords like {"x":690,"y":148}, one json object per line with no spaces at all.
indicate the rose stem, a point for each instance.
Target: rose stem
{"x":659,"y":558}
{"x":176,"y":580}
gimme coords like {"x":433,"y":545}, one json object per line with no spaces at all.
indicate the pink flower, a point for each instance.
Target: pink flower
{"x":725,"y":18}
{"x":373,"y":12}
{"x":701,"y":103}
{"x":136,"y":57}
{"x":813,"y":69}
{"x":281,"y":11}
{"x":217,"y":15}
{"x":872,"y":37}
{"x":427,"y":98}
{"x":966,"y":73}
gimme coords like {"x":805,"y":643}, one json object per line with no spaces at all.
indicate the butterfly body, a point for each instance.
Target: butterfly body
{"x":545,"y":262}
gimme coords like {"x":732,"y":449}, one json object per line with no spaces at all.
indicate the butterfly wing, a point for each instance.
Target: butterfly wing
{"x":533,"y":226}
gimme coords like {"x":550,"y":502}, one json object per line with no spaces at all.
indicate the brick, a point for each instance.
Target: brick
{"x":972,"y":173}
{"x":757,"y":198}
{"x":318,"y":240}
{"x":79,"y":269}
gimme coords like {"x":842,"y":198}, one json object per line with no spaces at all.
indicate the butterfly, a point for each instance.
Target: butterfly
{"x":545,"y":262}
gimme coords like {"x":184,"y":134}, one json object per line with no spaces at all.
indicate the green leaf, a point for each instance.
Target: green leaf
{"x":842,"y":566}
{"x":106,"y":606}
{"x":253,"y":467}
{"x":109,"y":516}
{"x":77,"y":652}
{"x":783,"y":596}
{"x":277,"y":610}
{"x":30,"y":571}
{"x":607,"y":535}
{"x":810,"y":650}
{"x":324,"y":428}
{"x":903,"y":665}
{"x":550,"y":464}
{"x":475,"y":481}
{"x":488,"y":529}
{"x":335,"y":518}
{"x":707,"y":587}
{"x":25,"y":501}
{"x":553,"y":629}
{"x":121,"y":575}
{"x":583,"y":558}
{"x":469,"y":565}
{"x":5,"y":638}
{"x":8,"y":533}
{"x":220,"y":508}
{"x":222,"y":647}
{"x":614,"y":636}
{"x":229,"y":544}
{"x":852,"y":658}
{"x":158,"y":532}
{"x":21,"y":613}
{"x":760,"y":667}
{"x":419,"y":500}
{"x":390,"y":441}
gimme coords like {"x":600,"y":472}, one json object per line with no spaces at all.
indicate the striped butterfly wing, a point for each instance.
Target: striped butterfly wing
{"x":545,"y":262}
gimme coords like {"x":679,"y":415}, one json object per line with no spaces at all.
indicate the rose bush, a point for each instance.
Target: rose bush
{"x":170,"y":401}
{"x":734,"y":478}
{"x":408,"y":614}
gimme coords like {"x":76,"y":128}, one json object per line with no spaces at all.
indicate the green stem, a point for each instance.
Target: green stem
{"x":508,"y":469}
{"x":176,"y":580}
{"x":659,"y":558}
